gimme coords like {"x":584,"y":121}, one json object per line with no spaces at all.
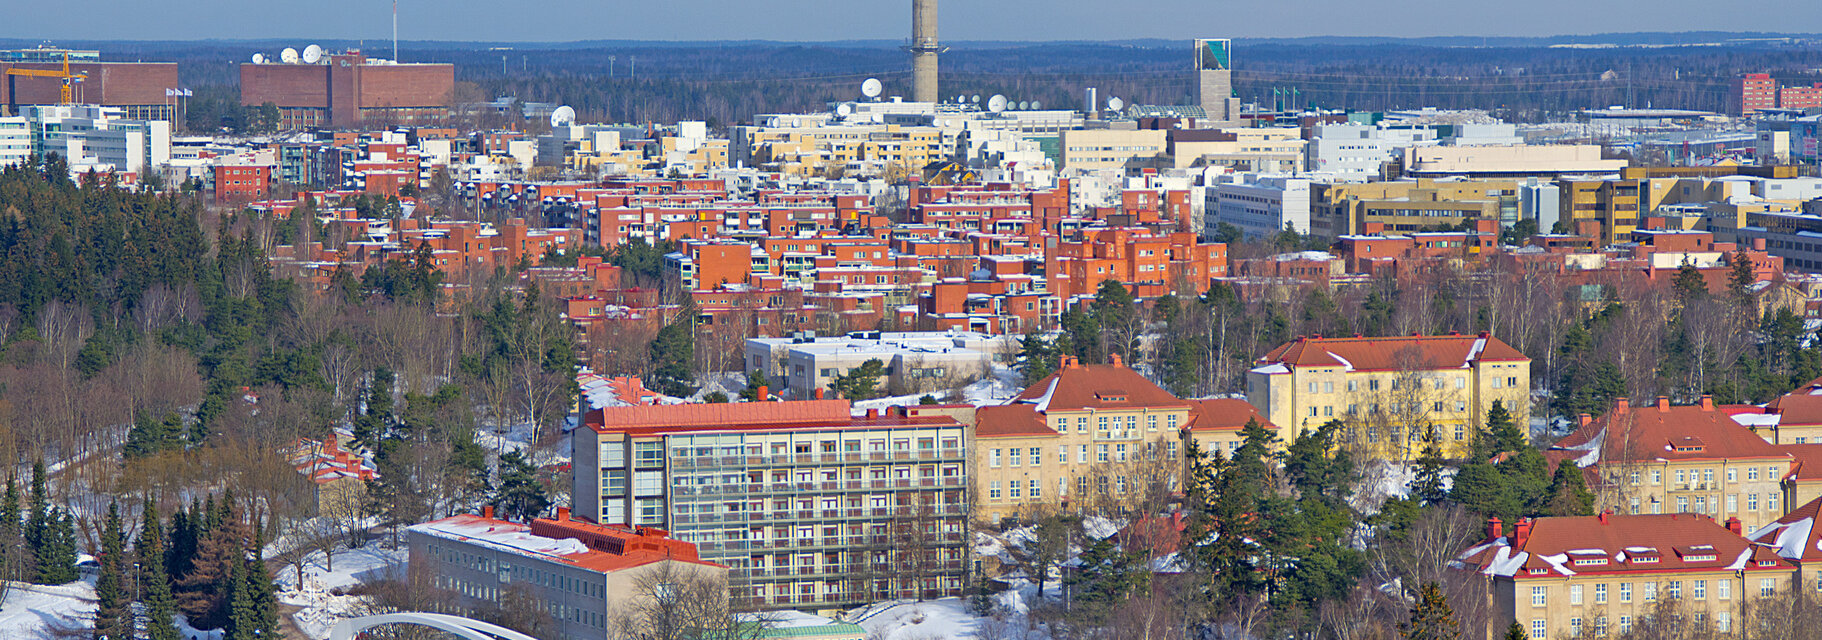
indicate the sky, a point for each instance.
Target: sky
{"x":814,"y":20}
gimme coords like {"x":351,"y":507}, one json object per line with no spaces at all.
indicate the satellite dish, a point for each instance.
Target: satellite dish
{"x":844,"y":109}
{"x":313,"y":54}
{"x":977,"y":98}
{"x":997,"y":103}
{"x":1036,"y":106}
{"x":259,"y":58}
{"x":961,"y":99}
{"x":1115,"y":104}
{"x":289,"y":55}
{"x":1024,"y":105}
{"x":562,"y":116}
{"x":871,"y":88}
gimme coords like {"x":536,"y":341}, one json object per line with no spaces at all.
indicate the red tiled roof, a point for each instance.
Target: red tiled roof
{"x":1654,"y":432}
{"x":1794,"y":536}
{"x":1223,"y":414}
{"x":1625,"y":543}
{"x":612,"y":419}
{"x":1390,"y":354}
{"x":1800,"y":407}
{"x":1010,"y":420}
{"x":1096,"y":386}
{"x":1809,"y":461}
{"x":603,"y":548}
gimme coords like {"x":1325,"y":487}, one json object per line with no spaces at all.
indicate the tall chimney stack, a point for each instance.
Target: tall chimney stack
{"x":923,"y":50}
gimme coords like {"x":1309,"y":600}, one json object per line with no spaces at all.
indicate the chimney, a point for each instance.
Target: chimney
{"x":487,"y":512}
{"x":1495,"y":528}
{"x":1621,"y":404}
{"x":872,"y":413}
{"x":562,"y":514}
{"x":1584,"y":419}
{"x":1520,"y":533}
{"x":819,"y":393}
{"x":1707,"y":402}
{"x":1758,"y":244}
{"x":1114,"y":358}
{"x":766,"y":392}
{"x":1663,"y":404}
{"x":1603,"y":515}
{"x":1484,"y":335}
{"x":1733,"y":524}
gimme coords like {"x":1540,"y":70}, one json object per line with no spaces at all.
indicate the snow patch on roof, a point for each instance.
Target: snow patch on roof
{"x":1739,"y":562}
{"x":1480,"y":344}
{"x":1346,"y":366}
{"x":1276,"y":368}
{"x":1789,"y":537}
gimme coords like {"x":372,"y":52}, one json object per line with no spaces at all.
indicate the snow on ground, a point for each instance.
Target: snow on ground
{"x":728,"y":382}
{"x":319,"y":599}
{"x":944,"y":619}
{"x":40,"y":611}
{"x":1101,"y":528}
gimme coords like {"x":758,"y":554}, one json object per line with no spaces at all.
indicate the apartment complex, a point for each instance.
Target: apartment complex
{"x":806,"y":504}
{"x":1599,"y":575}
{"x":1696,"y":459}
{"x":1406,"y":206}
{"x":915,"y":362}
{"x":1095,"y":149}
{"x":1388,"y":392}
{"x":581,"y":574}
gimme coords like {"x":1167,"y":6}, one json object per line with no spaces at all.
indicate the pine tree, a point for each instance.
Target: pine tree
{"x":862,"y":382}
{"x":264,"y":590}
{"x":242,"y":620}
{"x":1568,"y":494}
{"x":57,"y":560}
{"x":673,"y":353}
{"x":113,"y":618}
{"x":1426,"y":487}
{"x":38,"y":515}
{"x":1515,"y":632}
{"x":154,"y":581}
{"x":520,"y":496}
{"x":755,"y":380}
{"x":1431,"y":617}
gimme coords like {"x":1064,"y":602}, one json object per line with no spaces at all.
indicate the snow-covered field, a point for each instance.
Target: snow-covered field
{"x":317,"y":595}
{"x":39,"y":611}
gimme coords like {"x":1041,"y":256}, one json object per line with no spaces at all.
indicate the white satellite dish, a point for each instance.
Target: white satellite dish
{"x":997,"y":103}
{"x":313,"y":54}
{"x":1024,"y":105}
{"x":288,"y":56}
{"x":871,"y":88}
{"x":977,"y":98}
{"x":1036,"y":106}
{"x":259,"y":58}
{"x":562,"y":116}
{"x":1115,"y":104}
{"x":844,"y":109}
{"x":961,"y":99}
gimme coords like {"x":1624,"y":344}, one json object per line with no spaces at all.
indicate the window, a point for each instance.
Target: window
{"x":1538,"y":630}
{"x":1328,"y":387}
{"x":1673,"y":589}
{"x":1723,"y":589}
{"x":994,"y":458}
{"x":1037,"y":490}
{"x":1014,"y":490}
{"x":1730,"y":474}
{"x":1625,"y":624}
{"x":1699,"y":589}
{"x":1767,"y":586}
{"x":1575,"y":593}
{"x":1723,"y":621}
{"x":1081,"y":454}
{"x":1600,"y":626}
{"x":1752,"y":502}
{"x":1752,"y":474}
{"x":1625,"y":592}
{"x":993,"y":490}
{"x":1600,"y":594}
{"x":1657,"y":476}
{"x":1461,"y":382}
{"x":1062,"y":454}
{"x":1014,"y":458}
{"x":1733,"y":502}
{"x":1771,"y":502}
{"x":1575,"y":627}
{"x":1651,"y":592}
{"x":1538,"y":594}
{"x":1101,"y":453}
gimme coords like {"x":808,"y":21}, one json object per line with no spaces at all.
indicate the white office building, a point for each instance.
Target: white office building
{"x":1259,"y":205}
{"x":97,"y":138}
{"x":1360,"y":152}
{"x":15,"y":141}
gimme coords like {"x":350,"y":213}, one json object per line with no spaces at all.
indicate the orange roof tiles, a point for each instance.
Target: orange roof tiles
{"x":1556,"y":547}
{"x":1224,"y":414}
{"x":1662,"y":431}
{"x":1010,"y":420}
{"x":1800,"y":407}
{"x":1076,"y":387}
{"x":1795,"y":535}
{"x":1395,"y":353}
{"x":610,"y":419}
{"x":603,"y":548}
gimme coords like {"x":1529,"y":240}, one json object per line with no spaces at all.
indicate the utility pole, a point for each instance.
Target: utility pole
{"x":610,"y":65}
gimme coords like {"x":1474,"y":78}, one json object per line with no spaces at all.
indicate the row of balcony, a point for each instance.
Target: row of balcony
{"x":940,"y":540}
{"x":792,"y":459}
{"x":861,"y":513}
{"x":798,"y":488}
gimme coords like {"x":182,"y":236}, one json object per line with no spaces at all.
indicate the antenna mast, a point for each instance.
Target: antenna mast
{"x":395,"y":30}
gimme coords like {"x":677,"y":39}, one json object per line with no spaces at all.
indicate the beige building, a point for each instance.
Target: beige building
{"x":1507,"y":161}
{"x":1389,"y":392}
{"x":813,"y":147}
{"x":1597,"y":576}
{"x":1090,"y":437}
{"x":1247,"y":150}
{"x":1405,"y":206}
{"x":1097,"y":149}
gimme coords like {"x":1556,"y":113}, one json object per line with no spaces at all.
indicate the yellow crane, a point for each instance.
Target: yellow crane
{"x":67,"y":80}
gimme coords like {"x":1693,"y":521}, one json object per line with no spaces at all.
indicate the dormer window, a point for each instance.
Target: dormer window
{"x":1585,"y":562}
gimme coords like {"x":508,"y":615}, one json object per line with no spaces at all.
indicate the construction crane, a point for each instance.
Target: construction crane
{"x":66,"y":80}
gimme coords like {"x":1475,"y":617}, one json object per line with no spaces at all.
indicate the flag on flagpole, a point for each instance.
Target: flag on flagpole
{"x":187,"y":93}
{"x":170,"y":92}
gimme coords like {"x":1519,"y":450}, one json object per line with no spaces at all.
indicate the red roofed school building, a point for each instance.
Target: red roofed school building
{"x":582,"y":574}
{"x":1389,"y":391}
{"x":1598,"y":575}
{"x":808,"y":505}
{"x":338,"y":476}
{"x":1091,"y":435}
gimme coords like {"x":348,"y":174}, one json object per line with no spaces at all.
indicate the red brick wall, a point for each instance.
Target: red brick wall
{"x":108,"y":83}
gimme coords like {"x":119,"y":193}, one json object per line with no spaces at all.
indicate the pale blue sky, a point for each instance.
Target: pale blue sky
{"x":564,"y":20}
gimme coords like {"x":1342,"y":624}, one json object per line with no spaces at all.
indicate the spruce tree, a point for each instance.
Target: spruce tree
{"x":1431,"y":617}
{"x":1515,"y":632}
{"x":1568,"y":494}
{"x":673,"y":354}
{"x":113,"y":618}
{"x":242,"y":620}
{"x":38,"y":514}
{"x":182,"y":546}
{"x":1427,"y":485}
{"x":264,"y":591}
{"x":10,"y":513}
{"x":57,"y":560}
{"x":154,"y":581}
{"x":1502,"y":433}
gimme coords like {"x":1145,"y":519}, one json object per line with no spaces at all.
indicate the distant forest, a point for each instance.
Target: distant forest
{"x":635,"y":82}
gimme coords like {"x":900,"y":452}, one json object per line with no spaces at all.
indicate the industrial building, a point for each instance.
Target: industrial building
{"x":1215,"y":80}
{"x":347,"y":90}
{"x":138,"y":89}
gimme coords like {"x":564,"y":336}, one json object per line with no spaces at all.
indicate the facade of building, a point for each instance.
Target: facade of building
{"x":1753,"y":92}
{"x":916,"y":362}
{"x":1260,"y":206}
{"x":99,"y":138}
{"x":1113,"y":149}
{"x":584,"y":576}
{"x":1599,"y":575}
{"x":1696,"y":459}
{"x":348,"y":90}
{"x":807,"y":505}
{"x":1389,"y":391}
{"x":1407,"y":206}
{"x":137,"y":89}
{"x":1507,"y":161}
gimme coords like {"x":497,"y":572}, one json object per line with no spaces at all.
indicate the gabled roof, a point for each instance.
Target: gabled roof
{"x":1794,"y":536}
{"x":1224,"y":414}
{"x":1393,"y":354}
{"x":1557,"y":547}
{"x":1800,"y":407}
{"x":1665,"y":432}
{"x":1010,"y":420}
{"x":1077,"y":387}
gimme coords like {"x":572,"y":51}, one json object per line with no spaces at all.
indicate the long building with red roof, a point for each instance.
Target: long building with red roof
{"x":807,"y":504}
{"x":1390,"y":392}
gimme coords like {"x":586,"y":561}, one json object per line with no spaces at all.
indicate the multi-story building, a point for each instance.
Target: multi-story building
{"x":1390,"y":392}
{"x":346,"y":90}
{"x":1115,"y":149}
{"x":916,"y":362}
{"x":1086,"y":436}
{"x":99,"y":138}
{"x":139,"y":90}
{"x":583,"y":575}
{"x":1507,"y":160}
{"x":1599,"y":575}
{"x":1259,"y":206}
{"x":1405,"y":206}
{"x":1753,"y":92}
{"x":1679,"y":459}
{"x":807,"y":505}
